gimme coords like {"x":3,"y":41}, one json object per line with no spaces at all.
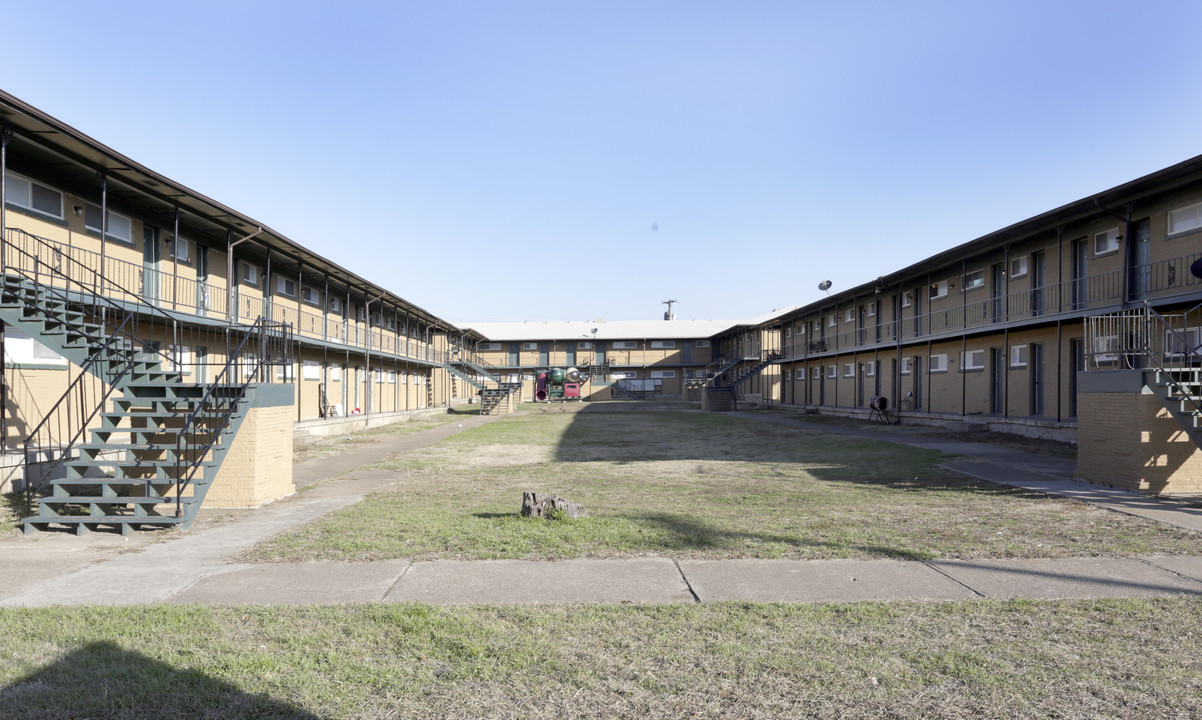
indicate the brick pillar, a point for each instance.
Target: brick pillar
{"x":258,"y":467}
{"x":1127,"y":439}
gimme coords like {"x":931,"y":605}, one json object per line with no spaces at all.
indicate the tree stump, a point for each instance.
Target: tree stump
{"x":550,"y":507}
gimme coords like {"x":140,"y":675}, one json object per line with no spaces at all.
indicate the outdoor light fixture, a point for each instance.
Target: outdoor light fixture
{"x":78,"y":209}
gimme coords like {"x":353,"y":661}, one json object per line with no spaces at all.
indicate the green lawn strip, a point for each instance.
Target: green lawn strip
{"x":1021,"y":659}
{"x":704,"y":486}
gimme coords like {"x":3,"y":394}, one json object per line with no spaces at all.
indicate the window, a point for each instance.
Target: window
{"x":285,"y":286}
{"x":20,"y":348}
{"x":335,"y":305}
{"x":179,"y":249}
{"x":1184,"y":219}
{"x":624,"y":375}
{"x":801,"y":329}
{"x":1106,"y":349}
{"x":907,"y":363}
{"x":662,"y":344}
{"x":1018,"y":356}
{"x":121,"y":228}
{"x":30,"y":195}
{"x":788,"y":376}
{"x":1018,"y":266}
{"x":530,"y":346}
{"x":870,"y":368}
{"x":335,"y":373}
{"x":849,"y":316}
{"x":938,"y":290}
{"x":404,"y":378}
{"x":250,"y":274}
{"x":832,"y":321}
{"x":311,"y":296}
{"x":1183,"y":342}
{"x":702,"y":343}
{"x":178,"y":358}
{"x":849,"y":370}
{"x":625,"y":345}
{"x":870,"y":310}
{"x":488,"y":347}
{"x":907,"y":299}
{"x":974,"y":280}
{"x":938,"y":363}
{"x":311,"y":370}
{"x":1107,"y":242}
{"x":972,"y":360}
{"x":832,"y":371}
{"x":579,"y":346}
{"x":392,"y":377}
{"x":663,"y":374}
{"x":801,"y":373}
{"x":286,"y":373}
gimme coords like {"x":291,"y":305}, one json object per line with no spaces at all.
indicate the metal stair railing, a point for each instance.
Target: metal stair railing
{"x":1177,"y":342}
{"x":203,"y":428}
{"x":72,"y":414}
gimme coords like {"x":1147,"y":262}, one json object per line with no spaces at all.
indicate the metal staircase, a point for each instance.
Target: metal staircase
{"x":130,"y":444}
{"x":769,"y":358}
{"x":496,"y":397}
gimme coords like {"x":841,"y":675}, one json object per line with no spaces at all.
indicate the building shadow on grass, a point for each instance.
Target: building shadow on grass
{"x":104,"y":680}
{"x":688,"y":533}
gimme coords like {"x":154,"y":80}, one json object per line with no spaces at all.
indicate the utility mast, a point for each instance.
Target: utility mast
{"x":668,"y":315}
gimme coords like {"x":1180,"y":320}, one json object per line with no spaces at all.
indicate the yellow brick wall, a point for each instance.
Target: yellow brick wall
{"x":1129,"y":440}
{"x":258,"y":467}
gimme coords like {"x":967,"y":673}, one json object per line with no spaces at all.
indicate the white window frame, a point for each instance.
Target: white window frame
{"x":121,"y":231}
{"x":249,"y":275}
{"x":937,"y":290}
{"x":392,"y":377}
{"x":179,"y":358}
{"x":663,"y":374}
{"x":801,"y":373}
{"x":849,"y":370}
{"x":1018,"y":267}
{"x":1018,"y":356}
{"x":832,"y":371}
{"x":335,"y":373}
{"x":1183,"y":343}
{"x":870,"y":368}
{"x":488,"y":347}
{"x":1105,"y":349}
{"x":285,"y":286}
{"x":625,"y":345}
{"x":335,"y":304}
{"x":14,"y":180}
{"x":1185,"y":219}
{"x":870,"y":310}
{"x":907,"y":365}
{"x":311,"y":296}
{"x":974,"y":280}
{"x":20,"y":348}
{"x":702,"y":343}
{"x":311,"y":370}
{"x":972,"y":360}
{"x":850,"y":315}
{"x":801,"y":329}
{"x":663,"y":344}
{"x":584,"y":345}
{"x":530,"y":346}
{"x":833,"y":321}
{"x":907,"y":298}
{"x":287,"y":372}
{"x":624,"y":375}
{"x":1106,"y":242}
{"x":938,"y":363}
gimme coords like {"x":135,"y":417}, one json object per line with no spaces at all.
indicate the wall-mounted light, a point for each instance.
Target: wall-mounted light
{"x":78,"y":209}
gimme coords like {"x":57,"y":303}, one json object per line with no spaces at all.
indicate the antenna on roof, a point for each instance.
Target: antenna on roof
{"x":825,"y":286}
{"x":668,"y":315}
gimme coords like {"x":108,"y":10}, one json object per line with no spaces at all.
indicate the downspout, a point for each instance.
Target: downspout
{"x":231,"y":310}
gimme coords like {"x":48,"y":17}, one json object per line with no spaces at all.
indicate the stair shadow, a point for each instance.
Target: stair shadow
{"x":102,"y":679}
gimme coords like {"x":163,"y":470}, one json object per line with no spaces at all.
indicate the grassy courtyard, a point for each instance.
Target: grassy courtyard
{"x":701,"y":485}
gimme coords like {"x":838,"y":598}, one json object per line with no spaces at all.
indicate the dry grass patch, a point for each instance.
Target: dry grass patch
{"x":702,"y":486}
{"x":1124,"y":659}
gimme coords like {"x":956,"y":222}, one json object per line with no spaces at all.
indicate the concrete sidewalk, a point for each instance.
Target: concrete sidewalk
{"x":194,"y":567}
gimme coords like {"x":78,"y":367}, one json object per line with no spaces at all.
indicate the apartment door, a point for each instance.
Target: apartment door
{"x":1038,"y":271}
{"x":515,"y":350}
{"x":151,"y":255}
{"x":346,"y":379}
{"x":997,"y":292}
{"x":860,"y":400}
{"x":544,"y":354}
{"x":569,"y":354}
{"x":203,"y":300}
{"x":1080,"y":270}
{"x":1077,"y":352}
{"x":1139,"y":260}
{"x":916,"y":371}
{"x":997,"y":374}
{"x":1036,"y":370}
{"x":686,"y":352}
{"x":599,"y":353}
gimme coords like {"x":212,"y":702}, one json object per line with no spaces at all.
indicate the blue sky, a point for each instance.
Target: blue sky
{"x":590,"y":160}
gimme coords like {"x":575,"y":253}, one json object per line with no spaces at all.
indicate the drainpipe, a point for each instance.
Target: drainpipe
{"x":230,"y":308}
